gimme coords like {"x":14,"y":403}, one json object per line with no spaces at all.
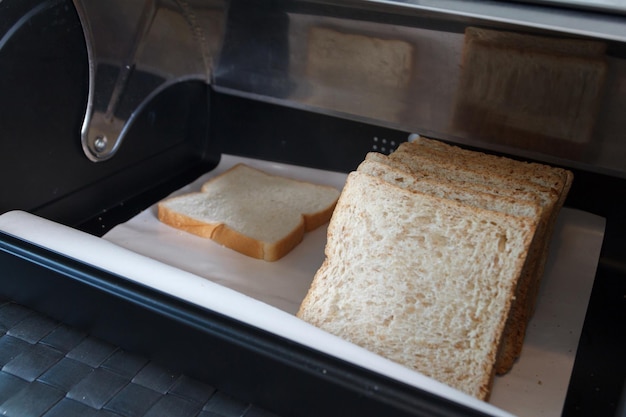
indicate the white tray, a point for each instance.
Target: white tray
{"x":267,"y":294}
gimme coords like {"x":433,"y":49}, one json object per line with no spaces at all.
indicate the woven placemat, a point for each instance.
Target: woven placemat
{"x":50,"y":369}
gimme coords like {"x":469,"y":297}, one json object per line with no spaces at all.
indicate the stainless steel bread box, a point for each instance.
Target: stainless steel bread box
{"x":106,"y":107}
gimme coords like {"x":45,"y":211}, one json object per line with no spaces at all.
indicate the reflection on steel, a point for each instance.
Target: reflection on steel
{"x":40,"y":8}
{"x":533,"y":91}
{"x":408,"y":65}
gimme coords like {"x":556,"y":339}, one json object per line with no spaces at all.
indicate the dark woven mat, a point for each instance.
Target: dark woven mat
{"x":49,"y":369}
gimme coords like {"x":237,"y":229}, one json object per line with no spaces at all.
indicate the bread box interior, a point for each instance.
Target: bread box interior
{"x":107,"y":108}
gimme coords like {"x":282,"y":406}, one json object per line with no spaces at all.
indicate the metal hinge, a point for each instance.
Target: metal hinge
{"x":136,"y":49}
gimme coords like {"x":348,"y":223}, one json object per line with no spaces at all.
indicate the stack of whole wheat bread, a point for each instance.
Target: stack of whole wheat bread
{"x":434,"y":259}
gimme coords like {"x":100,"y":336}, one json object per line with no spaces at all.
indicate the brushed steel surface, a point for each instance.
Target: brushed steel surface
{"x":399,"y":64}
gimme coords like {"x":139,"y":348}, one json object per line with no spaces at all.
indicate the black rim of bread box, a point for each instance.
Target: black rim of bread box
{"x":262,"y":368}
{"x":191,"y":139}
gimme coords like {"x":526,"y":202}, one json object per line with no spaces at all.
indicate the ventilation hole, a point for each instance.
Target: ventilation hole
{"x":384,"y":145}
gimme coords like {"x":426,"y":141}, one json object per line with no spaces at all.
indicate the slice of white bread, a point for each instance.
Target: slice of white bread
{"x":255,"y":213}
{"x":424,"y":281}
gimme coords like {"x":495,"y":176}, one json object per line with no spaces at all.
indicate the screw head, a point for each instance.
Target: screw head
{"x":100,"y":143}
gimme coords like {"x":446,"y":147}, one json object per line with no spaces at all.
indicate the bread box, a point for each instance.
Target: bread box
{"x":106,"y":108}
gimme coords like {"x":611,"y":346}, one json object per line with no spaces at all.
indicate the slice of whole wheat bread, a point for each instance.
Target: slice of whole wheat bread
{"x":457,"y":169}
{"x":422,"y":280}
{"x":406,"y":163}
{"x":485,"y":196}
{"x":545,"y":175}
{"x":450,"y":190}
{"x":557,"y":180}
{"x":258,"y":214}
